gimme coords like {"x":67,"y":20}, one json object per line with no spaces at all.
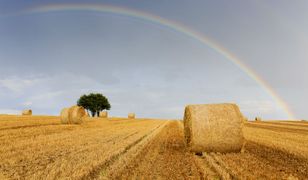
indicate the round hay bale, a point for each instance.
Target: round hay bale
{"x":77,"y":114}
{"x":103,"y":114}
{"x":213,"y":128}
{"x":131,"y":115}
{"x":27,"y":112}
{"x":65,"y":116}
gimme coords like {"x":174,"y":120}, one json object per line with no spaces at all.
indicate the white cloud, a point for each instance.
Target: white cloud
{"x":9,"y":111}
{"x":18,"y":84}
{"x":45,"y":96}
{"x":258,"y":106}
{"x":176,"y":111}
{"x":49,"y":94}
{"x":45,"y":100}
{"x":27,"y":103}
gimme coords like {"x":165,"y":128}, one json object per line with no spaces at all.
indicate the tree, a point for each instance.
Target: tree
{"x":94,"y":102}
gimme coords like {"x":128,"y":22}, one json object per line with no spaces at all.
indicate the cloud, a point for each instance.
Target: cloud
{"x":9,"y":111}
{"x":27,"y":103}
{"x":45,"y":94}
{"x":260,"y":106}
{"x":44,"y":100}
{"x":17,"y":84}
{"x":150,"y":96}
{"x":139,"y":67}
{"x":265,"y":108}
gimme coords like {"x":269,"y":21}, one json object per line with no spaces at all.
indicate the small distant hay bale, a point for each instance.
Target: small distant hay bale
{"x":258,"y":119}
{"x":65,"y":116}
{"x":103,"y":114}
{"x":131,"y":116}
{"x":213,"y":128}
{"x":77,"y":114}
{"x":27,"y":112}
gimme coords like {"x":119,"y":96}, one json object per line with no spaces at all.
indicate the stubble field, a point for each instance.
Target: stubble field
{"x":39,"y":147}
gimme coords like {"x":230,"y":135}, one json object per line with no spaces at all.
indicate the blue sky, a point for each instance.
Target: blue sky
{"x":49,"y":59}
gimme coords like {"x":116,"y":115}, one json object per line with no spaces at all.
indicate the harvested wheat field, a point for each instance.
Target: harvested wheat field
{"x":40,"y":147}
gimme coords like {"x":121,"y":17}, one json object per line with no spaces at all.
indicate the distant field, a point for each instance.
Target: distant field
{"x":39,"y":147}
{"x":290,"y":137}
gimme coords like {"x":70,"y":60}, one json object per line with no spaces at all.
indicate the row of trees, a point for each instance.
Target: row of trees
{"x":94,"y":102}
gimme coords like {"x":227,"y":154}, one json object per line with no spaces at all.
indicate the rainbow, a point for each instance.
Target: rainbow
{"x":176,"y":26}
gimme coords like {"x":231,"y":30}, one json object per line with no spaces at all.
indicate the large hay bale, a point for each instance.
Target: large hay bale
{"x":65,"y":116}
{"x":27,"y":112}
{"x":103,"y":114}
{"x":131,"y":115}
{"x":77,"y":114}
{"x":213,"y":128}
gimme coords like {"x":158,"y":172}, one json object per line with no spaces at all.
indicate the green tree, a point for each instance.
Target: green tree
{"x":94,"y":102}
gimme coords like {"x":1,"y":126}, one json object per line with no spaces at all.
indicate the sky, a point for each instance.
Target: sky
{"x":50,"y":58}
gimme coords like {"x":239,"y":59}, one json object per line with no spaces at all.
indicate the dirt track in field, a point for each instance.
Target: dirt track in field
{"x":144,"y":149}
{"x":165,"y":157}
{"x":37,"y":151}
